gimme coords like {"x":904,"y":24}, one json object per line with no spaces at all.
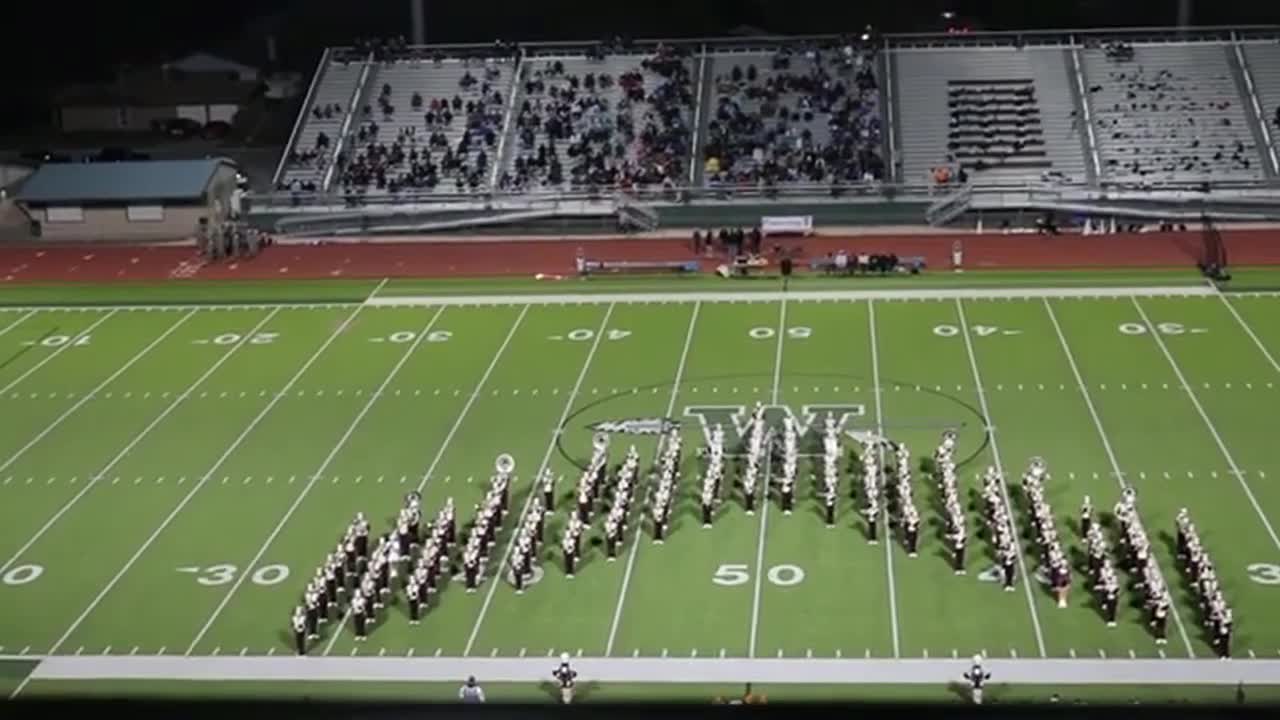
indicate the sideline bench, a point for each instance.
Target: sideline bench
{"x":630,"y":266}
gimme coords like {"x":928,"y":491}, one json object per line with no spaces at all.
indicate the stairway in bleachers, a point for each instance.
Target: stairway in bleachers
{"x":305,"y":161}
{"x":1264,"y":65}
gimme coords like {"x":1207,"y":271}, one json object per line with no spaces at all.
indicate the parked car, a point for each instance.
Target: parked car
{"x":117,"y":154}
{"x":177,"y":127}
{"x":216,"y":129}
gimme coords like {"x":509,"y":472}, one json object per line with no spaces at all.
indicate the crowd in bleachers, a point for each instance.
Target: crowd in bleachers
{"x":625,"y":130}
{"x":421,"y":156}
{"x":811,"y":116}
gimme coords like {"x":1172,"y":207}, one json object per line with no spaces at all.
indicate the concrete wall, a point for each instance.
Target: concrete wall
{"x":113,"y":223}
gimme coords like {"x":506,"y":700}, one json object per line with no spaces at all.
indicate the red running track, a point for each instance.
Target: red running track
{"x":424,"y":259}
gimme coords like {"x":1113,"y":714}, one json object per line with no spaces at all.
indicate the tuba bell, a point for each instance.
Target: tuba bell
{"x":504,"y":464}
{"x":600,"y":441}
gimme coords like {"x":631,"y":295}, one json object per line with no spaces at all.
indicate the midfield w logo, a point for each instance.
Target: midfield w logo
{"x":736,"y":419}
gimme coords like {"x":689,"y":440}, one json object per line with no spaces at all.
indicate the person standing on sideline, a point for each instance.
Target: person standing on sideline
{"x":470,"y":692}
{"x":567,"y":677}
{"x":977,"y":678}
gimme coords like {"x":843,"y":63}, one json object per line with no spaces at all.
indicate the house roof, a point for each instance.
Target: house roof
{"x":155,"y":180}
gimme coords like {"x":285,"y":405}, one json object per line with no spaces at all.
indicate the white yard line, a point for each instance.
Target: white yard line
{"x":136,"y":439}
{"x":635,"y":541}
{"x":764,"y":503}
{"x":1249,"y":330}
{"x":1106,"y":444}
{"x":60,"y":349}
{"x":235,"y":444}
{"x":444,"y":445}
{"x":1027,"y":579}
{"x":1213,"y":431}
{"x":97,"y":389}
{"x":315,"y":476}
{"x":23,"y":318}
{"x":533,"y":491}
{"x":888,"y":544}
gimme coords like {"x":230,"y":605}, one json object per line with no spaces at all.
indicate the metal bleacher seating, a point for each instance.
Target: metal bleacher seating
{"x":1169,"y":113}
{"x":584,"y":121}
{"x":305,"y":165}
{"x":391,"y":147}
{"x":1003,"y":114}
{"x":807,"y":115}
{"x":1264,"y":65}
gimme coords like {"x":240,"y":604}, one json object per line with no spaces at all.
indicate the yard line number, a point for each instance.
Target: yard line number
{"x":22,"y":574}
{"x":979,"y":330}
{"x":224,"y":573}
{"x":1264,"y":573}
{"x":408,"y":336}
{"x":799,"y":332}
{"x":1164,"y":328}
{"x":739,"y":574}
{"x":262,"y":338}
{"x":53,"y":341}
{"x":584,"y":334}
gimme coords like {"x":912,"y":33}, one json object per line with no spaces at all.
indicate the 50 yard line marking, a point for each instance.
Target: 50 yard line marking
{"x":137,"y":438}
{"x":764,"y":503}
{"x":315,"y":476}
{"x":888,"y":544}
{"x":444,"y":445}
{"x":1213,"y":431}
{"x":61,"y":349}
{"x":1004,"y":488}
{"x":533,"y":491}
{"x":248,"y":430}
{"x":635,"y":541}
{"x":1106,"y":444}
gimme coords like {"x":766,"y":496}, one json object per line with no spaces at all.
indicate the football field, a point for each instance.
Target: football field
{"x":171,"y":476}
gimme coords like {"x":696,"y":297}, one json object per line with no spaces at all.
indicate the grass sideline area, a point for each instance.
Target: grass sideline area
{"x":170,"y":479}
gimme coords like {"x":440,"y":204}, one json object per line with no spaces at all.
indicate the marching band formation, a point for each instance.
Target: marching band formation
{"x":358,"y":579}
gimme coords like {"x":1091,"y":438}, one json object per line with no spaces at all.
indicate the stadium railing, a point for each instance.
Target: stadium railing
{"x":303,"y":113}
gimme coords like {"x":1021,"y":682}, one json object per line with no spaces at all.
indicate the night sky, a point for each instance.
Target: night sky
{"x":72,"y":42}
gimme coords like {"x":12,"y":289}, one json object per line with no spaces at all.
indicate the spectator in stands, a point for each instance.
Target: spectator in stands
{"x":812,"y":117}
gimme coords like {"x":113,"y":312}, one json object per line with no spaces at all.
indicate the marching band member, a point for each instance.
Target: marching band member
{"x":566,"y":676}
{"x":299,"y":623}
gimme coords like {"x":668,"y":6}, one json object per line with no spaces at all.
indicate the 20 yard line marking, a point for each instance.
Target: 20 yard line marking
{"x":61,"y":349}
{"x":448,"y":438}
{"x":888,"y":545}
{"x":324,"y":465}
{"x":248,"y":430}
{"x":1106,"y":443}
{"x":134,"y":442}
{"x":546,"y":458}
{"x":764,"y":505}
{"x":1004,"y":488}
{"x":635,"y":541}
{"x":89,"y":395}
{"x":1213,"y":431}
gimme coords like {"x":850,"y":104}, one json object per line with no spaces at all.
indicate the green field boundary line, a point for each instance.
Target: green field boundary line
{"x":660,"y":670}
{"x":797,"y":295}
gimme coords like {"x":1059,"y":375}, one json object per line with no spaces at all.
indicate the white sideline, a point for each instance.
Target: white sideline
{"x":659,"y":670}
{"x":794,"y":295}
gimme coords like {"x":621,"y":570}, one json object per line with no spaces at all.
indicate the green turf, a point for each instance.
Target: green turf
{"x":208,"y":510}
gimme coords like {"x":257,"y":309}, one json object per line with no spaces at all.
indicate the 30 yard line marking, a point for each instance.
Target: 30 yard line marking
{"x":89,"y":395}
{"x":1004,"y":488}
{"x":635,"y":541}
{"x":444,"y":445}
{"x":888,"y":544}
{"x":306,"y":489}
{"x":529,"y":496}
{"x":1213,"y":431}
{"x":61,"y":349}
{"x":1106,"y":443}
{"x":248,"y":430}
{"x":134,"y":442}
{"x":764,"y":504}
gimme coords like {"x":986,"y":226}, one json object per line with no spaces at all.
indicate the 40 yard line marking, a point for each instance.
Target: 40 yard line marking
{"x":444,"y":445}
{"x":506,"y":553}
{"x":248,"y":430}
{"x":98,"y":388}
{"x":306,"y":490}
{"x":136,"y":439}
{"x":61,"y":348}
{"x":764,"y":505}
{"x":1213,"y":431}
{"x":635,"y":541}
{"x":1106,"y":445}
{"x":888,"y":544}
{"x":1004,"y":488}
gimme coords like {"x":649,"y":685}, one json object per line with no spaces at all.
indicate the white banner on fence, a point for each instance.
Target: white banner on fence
{"x":787,"y":225}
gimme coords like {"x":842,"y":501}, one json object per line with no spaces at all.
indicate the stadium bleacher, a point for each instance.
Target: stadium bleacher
{"x":317,"y":136}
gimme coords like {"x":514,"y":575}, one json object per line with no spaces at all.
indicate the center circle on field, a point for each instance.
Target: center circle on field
{"x":967,"y":413}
